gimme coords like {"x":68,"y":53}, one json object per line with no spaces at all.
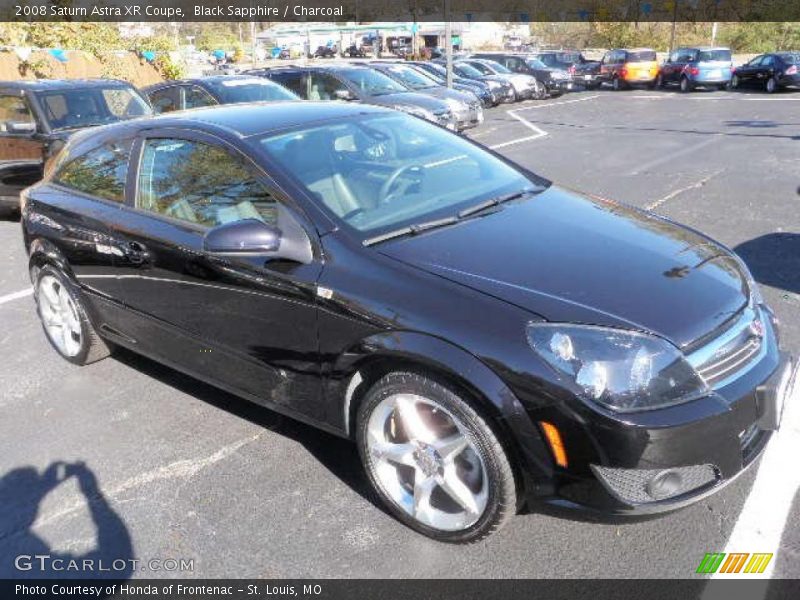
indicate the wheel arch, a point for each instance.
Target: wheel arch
{"x":42,"y":252}
{"x":385,"y":352}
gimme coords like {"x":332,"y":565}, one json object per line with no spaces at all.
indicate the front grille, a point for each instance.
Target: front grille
{"x":733,"y":351}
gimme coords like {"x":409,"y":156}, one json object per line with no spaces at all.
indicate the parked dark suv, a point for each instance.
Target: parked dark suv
{"x":36,"y":117}
{"x":359,"y":83}
{"x":487,"y":339}
{"x":215,"y":89}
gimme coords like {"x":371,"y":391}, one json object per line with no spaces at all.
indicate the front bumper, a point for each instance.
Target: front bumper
{"x":664,"y":459}
{"x":469,"y":118}
{"x":9,"y":202}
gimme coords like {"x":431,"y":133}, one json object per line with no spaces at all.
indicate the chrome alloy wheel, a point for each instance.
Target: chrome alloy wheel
{"x":425,"y":462}
{"x":59,"y":315}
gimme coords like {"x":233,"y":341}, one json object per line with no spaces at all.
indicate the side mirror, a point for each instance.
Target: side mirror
{"x":346,"y":95}
{"x":21,"y":127}
{"x":248,"y":236}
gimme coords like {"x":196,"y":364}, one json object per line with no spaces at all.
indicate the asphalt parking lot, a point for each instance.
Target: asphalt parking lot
{"x":172,"y":468}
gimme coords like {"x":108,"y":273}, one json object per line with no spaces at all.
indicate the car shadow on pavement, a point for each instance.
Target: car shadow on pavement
{"x":774,"y":260}
{"x":22,"y":490}
{"x":338,"y":455}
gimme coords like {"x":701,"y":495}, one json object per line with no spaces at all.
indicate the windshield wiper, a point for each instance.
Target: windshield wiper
{"x":472,"y":210}
{"x":435,"y":224}
{"x":410,"y":230}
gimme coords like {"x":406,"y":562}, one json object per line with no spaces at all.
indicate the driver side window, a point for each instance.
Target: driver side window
{"x":324,"y":87}
{"x":200,"y":183}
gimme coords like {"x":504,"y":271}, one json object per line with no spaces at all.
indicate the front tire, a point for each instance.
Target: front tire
{"x":434,"y":460}
{"x":686,"y":85}
{"x":64,"y":319}
{"x":616,"y":84}
{"x":734,"y":82}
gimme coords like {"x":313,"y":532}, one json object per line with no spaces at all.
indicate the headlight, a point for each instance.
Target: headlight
{"x":416,"y":111}
{"x":625,"y":371}
{"x":494,"y":85}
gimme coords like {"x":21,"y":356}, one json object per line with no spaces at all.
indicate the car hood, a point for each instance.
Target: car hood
{"x":443,"y":93}
{"x":409,"y":99}
{"x":570,"y":258}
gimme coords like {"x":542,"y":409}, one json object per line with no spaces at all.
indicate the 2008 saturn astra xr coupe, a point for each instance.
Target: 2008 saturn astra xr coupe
{"x":487,"y":339}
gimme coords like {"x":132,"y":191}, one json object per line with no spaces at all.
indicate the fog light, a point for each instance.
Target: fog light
{"x":664,"y":485}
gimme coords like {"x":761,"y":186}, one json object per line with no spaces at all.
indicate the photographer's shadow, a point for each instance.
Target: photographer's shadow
{"x":774,"y":260}
{"x":21,"y":493}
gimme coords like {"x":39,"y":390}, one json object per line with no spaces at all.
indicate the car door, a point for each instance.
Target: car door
{"x":670,"y":72}
{"x":765,"y":70}
{"x":747,"y":73}
{"x":21,"y":145}
{"x":326,"y":86}
{"x":606,"y":66}
{"x":246,"y":322}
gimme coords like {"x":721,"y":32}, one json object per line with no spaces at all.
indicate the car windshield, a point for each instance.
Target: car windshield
{"x":86,"y":107}
{"x":641,"y":56}
{"x":714,"y":55}
{"x":378,"y":173}
{"x":496,"y":67}
{"x":435,"y":75}
{"x":790,"y":58}
{"x":371,"y":82}
{"x":467,"y":70}
{"x":249,"y":89}
{"x":411,"y":77}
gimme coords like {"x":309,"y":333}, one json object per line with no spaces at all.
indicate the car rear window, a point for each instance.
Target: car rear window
{"x":712,"y":55}
{"x":641,"y":56}
{"x":569,"y":58}
{"x":791,"y":59}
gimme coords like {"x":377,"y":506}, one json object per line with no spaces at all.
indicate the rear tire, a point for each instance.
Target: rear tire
{"x":659,"y":82}
{"x":64,"y":319}
{"x":433,"y":460}
{"x":771,"y":86}
{"x":616,"y":84}
{"x":734,"y":82}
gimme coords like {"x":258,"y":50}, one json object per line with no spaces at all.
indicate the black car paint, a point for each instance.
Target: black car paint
{"x":292,"y":336}
{"x":760,"y":69}
{"x":23,"y":156}
{"x":518,"y":64}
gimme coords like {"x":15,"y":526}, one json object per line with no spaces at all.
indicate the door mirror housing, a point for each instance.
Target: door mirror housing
{"x":248,"y":236}
{"x":21,"y":127}
{"x":287,"y":240}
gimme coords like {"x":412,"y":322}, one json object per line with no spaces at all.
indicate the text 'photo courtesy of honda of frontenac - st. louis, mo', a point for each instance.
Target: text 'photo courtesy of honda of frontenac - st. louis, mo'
{"x":489,"y":341}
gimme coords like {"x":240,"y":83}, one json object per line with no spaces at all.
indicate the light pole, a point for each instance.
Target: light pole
{"x":448,"y":43}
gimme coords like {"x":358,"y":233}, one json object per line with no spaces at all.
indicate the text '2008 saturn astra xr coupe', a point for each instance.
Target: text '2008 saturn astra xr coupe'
{"x":487,"y":345}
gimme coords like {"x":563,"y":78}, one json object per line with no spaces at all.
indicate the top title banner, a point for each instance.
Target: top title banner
{"x":400,"y":10}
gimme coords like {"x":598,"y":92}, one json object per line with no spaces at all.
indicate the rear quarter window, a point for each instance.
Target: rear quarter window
{"x":101,"y":172}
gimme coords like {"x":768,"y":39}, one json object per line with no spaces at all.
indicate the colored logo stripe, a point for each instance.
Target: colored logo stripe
{"x":710,"y":562}
{"x":733,"y":564}
{"x":758,"y":563}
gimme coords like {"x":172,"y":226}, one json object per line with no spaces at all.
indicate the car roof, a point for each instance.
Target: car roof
{"x":703,"y":48}
{"x":336,"y":66}
{"x":200,"y":80}
{"x":245,"y":120}
{"x":38,"y":85}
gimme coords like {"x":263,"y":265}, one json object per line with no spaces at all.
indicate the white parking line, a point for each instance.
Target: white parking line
{"x":765,"y":513}
{"x":16,"y":295}
{"x":672,"y":155}
{"x":537,"y":131}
